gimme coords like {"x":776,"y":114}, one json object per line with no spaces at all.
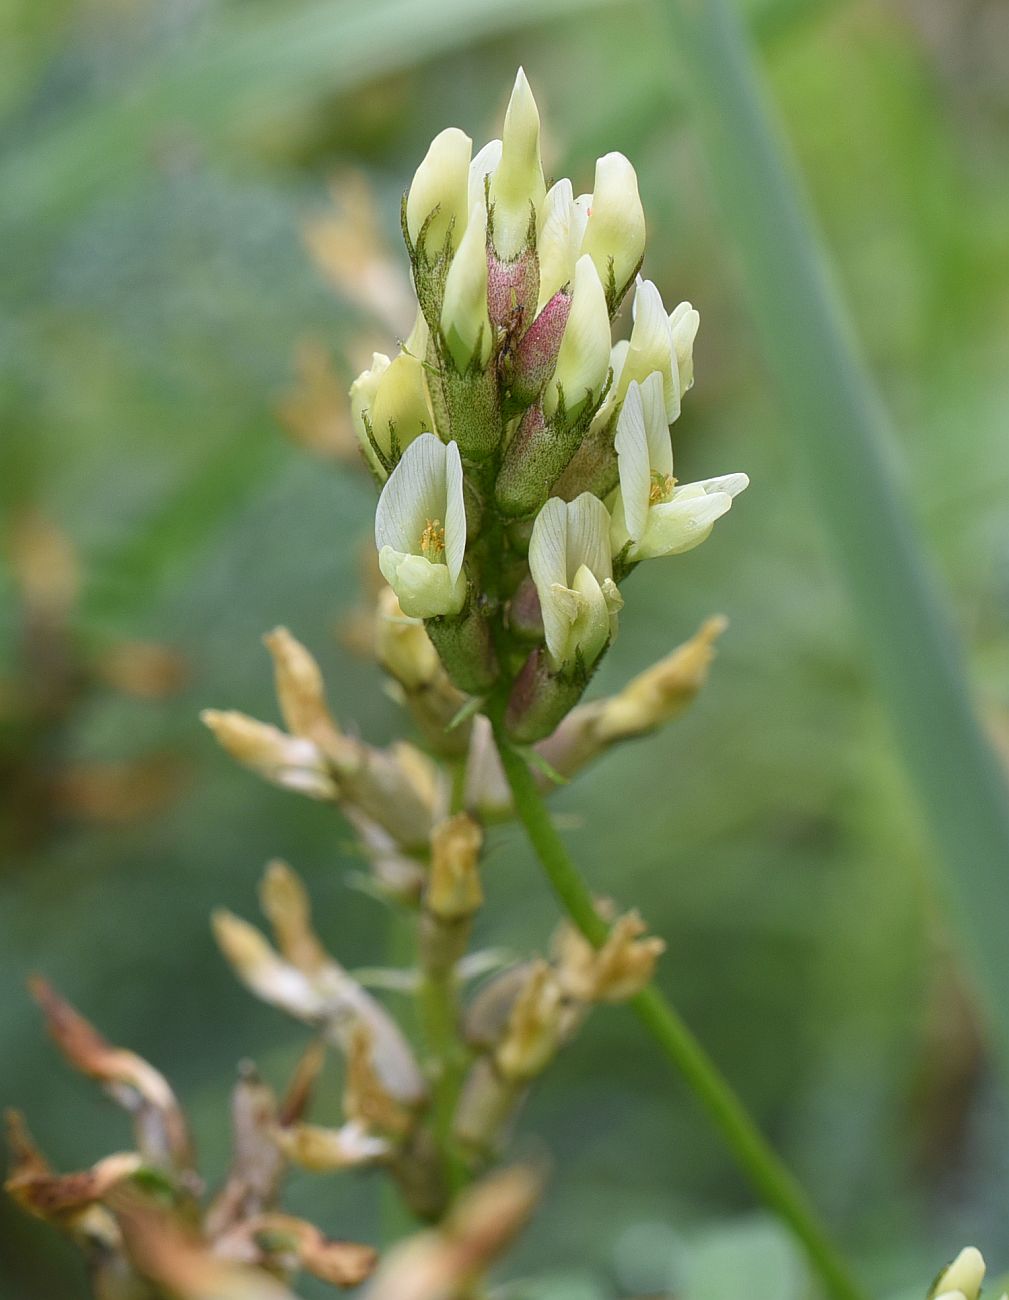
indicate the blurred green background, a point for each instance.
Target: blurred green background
{"x":168,"y":170}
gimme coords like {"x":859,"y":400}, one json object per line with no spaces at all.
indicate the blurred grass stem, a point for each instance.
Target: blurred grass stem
{"x":841,"y":433}
{"x":773,"y":1182}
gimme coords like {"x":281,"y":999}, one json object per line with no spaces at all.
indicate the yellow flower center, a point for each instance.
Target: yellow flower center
{"x":432,"y":541}
{"x":661,"y":489}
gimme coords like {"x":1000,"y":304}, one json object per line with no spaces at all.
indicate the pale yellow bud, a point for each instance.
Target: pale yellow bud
{"x":285,"y":905}
{"x":300,"y":690}
{"x":517,"y":187}
{"x":440,"y":186}
{"x":362,"y":400}
{"x":402,"y":646}
{"x":263,"y":971}
{"x":964,"y":1275}
{"x":584,"y":357}
{"x":465,"y":322}
{"x":535,"y":1026}
{"x":660,"y":692}
{"x":400,"y":411}
{"x":615,"y":232}
{"x":288,"y":761}
{"x":453,"y":889}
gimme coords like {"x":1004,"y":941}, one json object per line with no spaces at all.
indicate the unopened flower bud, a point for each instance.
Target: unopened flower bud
{"x":964,"y":1275}
{"x":535,"y":356}
{"x":615,"y":231}
{"x":512,"y":288}
{"x":482,"y":167}
{"x":420,"y":529}
{"x":517,"y":187}
{"x":584,"y":356}
{"x":453,"y":888}
{"x":288,"y":761}
{"x":438,"y":194}
{"x":362,"y":401}
{"x":559,"y":242}
{"x":465,"y":322}
{"x":535,"y":1026}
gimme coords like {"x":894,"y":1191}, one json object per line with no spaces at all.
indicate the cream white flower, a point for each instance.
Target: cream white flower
{"x":651,"y":512}
{"x":465,"y":322}
{"x":964,"y":1276}
{"x":569,"y":558}
{"x":392,"y":397}
{"x":420,"y":529}
{"x":584,"y":357}
{"x":441,"y":182}
{"x":615,"y":231}
{"x":561,"y":230}
{"x":517,"y":187}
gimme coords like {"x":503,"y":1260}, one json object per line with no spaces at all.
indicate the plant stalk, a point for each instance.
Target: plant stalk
{"x":768,"y":1175}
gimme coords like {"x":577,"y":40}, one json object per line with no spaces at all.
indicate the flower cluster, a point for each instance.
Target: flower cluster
{"x":525,"y":460}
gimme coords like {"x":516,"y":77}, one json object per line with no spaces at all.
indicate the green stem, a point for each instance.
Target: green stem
{"x":439,"y":1008}
{"x":770,"y":1178}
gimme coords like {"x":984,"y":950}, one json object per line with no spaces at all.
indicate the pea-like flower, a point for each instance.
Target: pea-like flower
{"x":569,"y":559}
{"x":651,"y":512}
{"x":420,"y":529}
{"x":658,"y":342}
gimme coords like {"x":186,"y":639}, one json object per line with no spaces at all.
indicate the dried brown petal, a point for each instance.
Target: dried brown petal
{"x":161,"y":1130}
{"x":535,"y":1027}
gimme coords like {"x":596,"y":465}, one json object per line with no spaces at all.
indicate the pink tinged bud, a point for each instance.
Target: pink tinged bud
{"x":536,"y":355}
{"x":512,"y":288}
